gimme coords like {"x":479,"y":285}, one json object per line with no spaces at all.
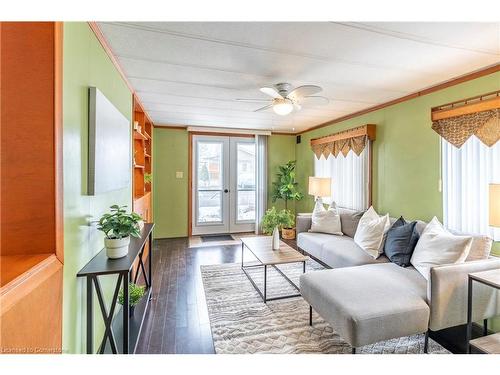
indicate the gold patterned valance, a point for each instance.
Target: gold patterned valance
{"x":343,"y":142}
{"x":479,"y":116}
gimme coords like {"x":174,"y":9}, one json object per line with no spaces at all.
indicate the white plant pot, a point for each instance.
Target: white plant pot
{"x":116,"y":248}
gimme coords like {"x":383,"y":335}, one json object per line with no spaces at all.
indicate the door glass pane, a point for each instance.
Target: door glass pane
{"x":209,"y":165}
{"x":246,"y":181}
{"x":246,"y":205}
{"x":209,"y":206}
{"x":246,"y":165}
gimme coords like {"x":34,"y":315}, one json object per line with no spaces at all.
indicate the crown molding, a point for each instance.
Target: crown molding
{"x":107,"y":48}
{"x":440,"y":86}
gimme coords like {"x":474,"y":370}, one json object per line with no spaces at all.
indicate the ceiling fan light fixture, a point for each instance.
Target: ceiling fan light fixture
{"x":282,"y":107}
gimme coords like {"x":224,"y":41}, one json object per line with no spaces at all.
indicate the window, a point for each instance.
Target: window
{"x":467,"y":172}
{"x":349,"y":178}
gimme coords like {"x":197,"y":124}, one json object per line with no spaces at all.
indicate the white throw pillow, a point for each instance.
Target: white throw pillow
{"x":437,"y":246}
{"x":370,"y":233}
{"x":326,"y":221}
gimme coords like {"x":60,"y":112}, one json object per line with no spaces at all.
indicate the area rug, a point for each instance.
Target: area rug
{"x":242,"y":323}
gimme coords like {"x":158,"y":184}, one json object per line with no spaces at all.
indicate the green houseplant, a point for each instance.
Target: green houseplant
{"x":135,"y":293}
{"x":285,"y":188}
{"x":274,"y":218}
{"x":118,"y":226}
{"x":148,"y":177}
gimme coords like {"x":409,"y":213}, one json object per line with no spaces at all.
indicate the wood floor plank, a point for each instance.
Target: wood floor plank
{"x":177,"y":320}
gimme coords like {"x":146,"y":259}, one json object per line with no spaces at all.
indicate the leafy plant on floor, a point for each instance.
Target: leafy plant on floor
{"x":148,"y":177}
{"x":119,"y":224}
{"x":135,"y":293}
{"x":274,"y":218}
{"x":285,"y":187}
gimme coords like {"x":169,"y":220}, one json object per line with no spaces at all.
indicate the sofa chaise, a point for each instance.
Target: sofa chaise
{"x":369,"y":300}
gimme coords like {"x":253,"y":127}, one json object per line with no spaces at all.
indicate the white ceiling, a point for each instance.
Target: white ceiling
{"x":191,"y":73}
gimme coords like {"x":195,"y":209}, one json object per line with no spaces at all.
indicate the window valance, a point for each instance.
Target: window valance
{"x":344,"y":141}
{"x":480,"y":116}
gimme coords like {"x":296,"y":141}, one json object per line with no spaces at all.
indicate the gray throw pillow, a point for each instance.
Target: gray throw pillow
{"x":349,"y":220}
{"x":400,"y":242}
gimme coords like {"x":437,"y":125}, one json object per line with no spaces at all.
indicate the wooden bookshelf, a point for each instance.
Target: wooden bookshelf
{"x":142,"y":161}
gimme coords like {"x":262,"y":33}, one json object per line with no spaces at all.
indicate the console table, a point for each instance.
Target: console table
{"x":119,"y":324}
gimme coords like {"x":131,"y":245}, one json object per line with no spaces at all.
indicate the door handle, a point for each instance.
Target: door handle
{"x":226,"y":191}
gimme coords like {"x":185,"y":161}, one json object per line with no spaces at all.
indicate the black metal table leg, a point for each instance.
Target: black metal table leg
{"x":265,"y":283}
{"x":90,"y":317}
{"x":125,"y":312}
{"x":242,"y":251}
{"x":469,"y":315}
{"x":107,"y":317}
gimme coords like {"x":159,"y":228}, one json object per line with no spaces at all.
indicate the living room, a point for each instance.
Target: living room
{"x":302,"y":186}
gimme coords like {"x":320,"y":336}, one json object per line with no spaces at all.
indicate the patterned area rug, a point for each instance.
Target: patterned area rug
{"x":242,"y":323}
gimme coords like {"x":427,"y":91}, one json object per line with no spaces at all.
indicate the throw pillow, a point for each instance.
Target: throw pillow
{"x":326,"y":221}
{"x":480,"y":248}
{"x":400,"y":242}
{"x":349,"y":220}
{"x":437,"y":246}
{"x":370,"y":232}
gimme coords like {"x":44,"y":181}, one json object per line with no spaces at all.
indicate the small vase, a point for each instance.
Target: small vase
{"x":276,"y":239}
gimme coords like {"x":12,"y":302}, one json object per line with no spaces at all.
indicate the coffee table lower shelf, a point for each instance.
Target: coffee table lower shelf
{"x":263,"y":294}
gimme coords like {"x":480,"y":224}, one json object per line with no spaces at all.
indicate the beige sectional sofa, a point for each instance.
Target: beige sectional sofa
{"x":368,"y":300}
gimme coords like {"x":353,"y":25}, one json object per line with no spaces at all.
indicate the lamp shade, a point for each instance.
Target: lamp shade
{"x":495,"y":205}
{"x":320,"y":186}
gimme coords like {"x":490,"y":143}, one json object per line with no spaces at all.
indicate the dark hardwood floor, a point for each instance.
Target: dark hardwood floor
{"x":177,"y":319}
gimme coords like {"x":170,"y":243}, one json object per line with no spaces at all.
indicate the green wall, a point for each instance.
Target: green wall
{"x":170,"y":155}
{"x":85,"y":64}
{"x":281,"y":149}
{"x":406,"y":160}
{"x":170,"y":203}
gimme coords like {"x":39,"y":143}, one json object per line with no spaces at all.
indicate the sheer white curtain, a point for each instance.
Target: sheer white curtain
{"x":349,"y":178}
{"x":261,"y":197}
{"x":467,"y":172}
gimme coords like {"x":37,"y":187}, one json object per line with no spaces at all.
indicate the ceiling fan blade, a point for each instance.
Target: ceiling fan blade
{"x":271,"y":92}
{"x":297,"y":106}
{"x":303,"y":91}
{"x":253,"y":100}
{"x":314,"y":100}
{"x":264,"y":108}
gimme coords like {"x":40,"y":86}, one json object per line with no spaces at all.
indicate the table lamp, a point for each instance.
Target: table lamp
{"x":495,"y":205}
{"x":320,"y":187}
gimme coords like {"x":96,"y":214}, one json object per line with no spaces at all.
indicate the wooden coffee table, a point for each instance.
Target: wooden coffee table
{"x":261,"y":248}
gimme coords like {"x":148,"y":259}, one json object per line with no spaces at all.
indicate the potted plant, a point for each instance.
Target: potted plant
{"x":274,"y":218}
{"x":148,"y":177}
{"x":135,"y":293}
{"x":285,"y":188}
{"x":118,"y":226}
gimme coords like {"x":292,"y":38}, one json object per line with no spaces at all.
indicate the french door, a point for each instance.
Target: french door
{"x":224,"y":182}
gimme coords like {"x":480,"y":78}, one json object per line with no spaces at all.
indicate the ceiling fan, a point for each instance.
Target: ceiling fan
{"x":285,"y":99}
